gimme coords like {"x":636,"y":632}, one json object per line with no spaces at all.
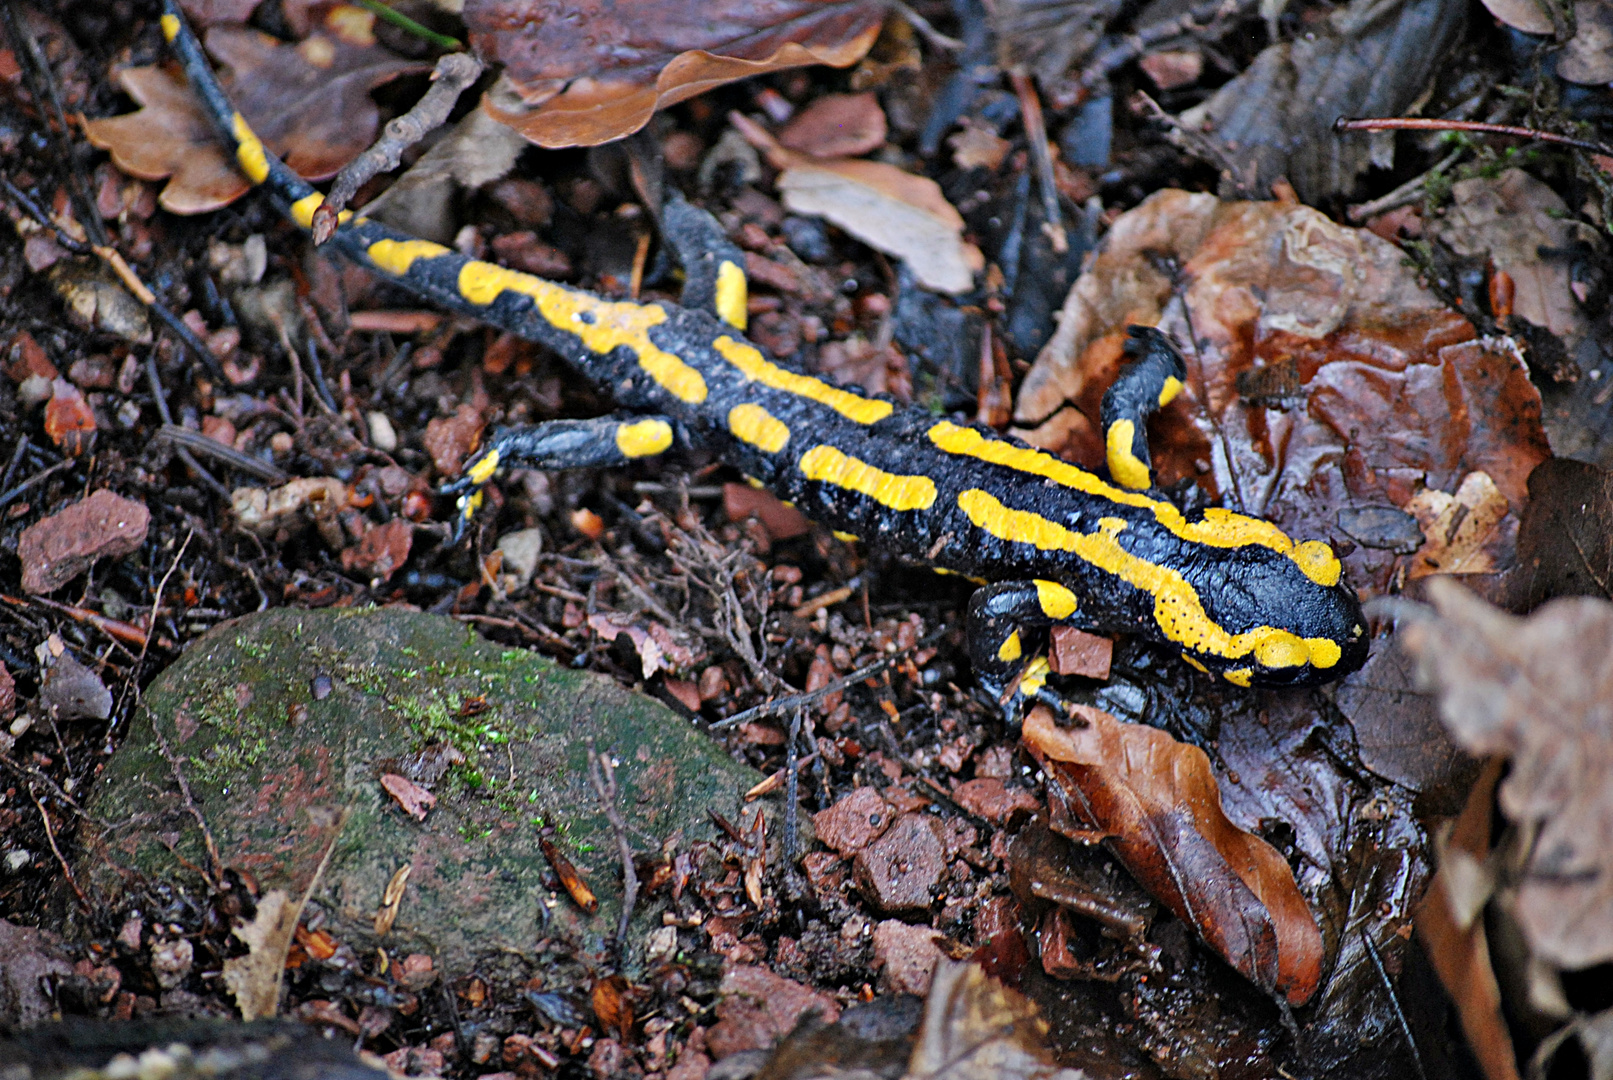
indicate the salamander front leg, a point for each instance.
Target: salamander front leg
{"x":714,"y":269}
{"x":557,"y":444}
{"x":1146,"y":385}
{"x":1008,"y":624}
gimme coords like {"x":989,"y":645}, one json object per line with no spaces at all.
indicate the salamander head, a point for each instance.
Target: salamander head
{"x":1320,"y":635}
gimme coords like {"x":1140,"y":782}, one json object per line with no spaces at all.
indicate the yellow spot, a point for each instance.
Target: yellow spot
{"x":1010,"y":650}
{"x":756,"y":367}
{"x":830,"y":466}
{"x":482,"y":470}
{"x":1178,"y":611}
{"x":1057,"y":602}
{"x":1325,"y":652}
{"x":1123,"y":464}
{"x":645,"y":438}
{"x":469,"y":503}
{"x":302,"y":211}
{"x":1280,"y":649}
{"x":846,"y":537}
{"x":397,"y":256}
{"x":732,"y":294}
{"x":755,"y":483}
{"x":1238,"y":676}
{"x":170,"y":26}
{"x":249,"y":150}
{"x":755,"y":425}
{"x":1219,"y":528}
{"x":602,"y":325}
{"x":1318,"y":562}
{"x":1195,"y":663}
{"x":1168,"y":392}
{"x":1035,"y":677}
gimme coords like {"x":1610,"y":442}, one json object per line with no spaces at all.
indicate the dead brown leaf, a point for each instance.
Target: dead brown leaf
{"x":975,"y":1028}
{"x":1325,"y":379}
{"x":415,"y":800}
{"x":1538,"y":690}
{"x":602,"y":71}
{"x":1461,"y":528}
{"x":1158,"y":801}
{"x":382,"y":551}
{"x":1565,"y":542}
{"x":310,"y":102}
{"x":894,"y":211}
{"x":254,"y":979}
{"x":837,"y":125}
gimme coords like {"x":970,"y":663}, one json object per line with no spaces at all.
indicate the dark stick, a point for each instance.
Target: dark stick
{"x":1418,"y":123}
{"x":50,"y":835}
{"x":317,"y":371}
{"x":454,"y":73}
{"x":207,"y":478}
{"x":1394,"y":1003}
{"x":792,"y":786}
{"x":1030,"y":108}
{"x":15,"y":462}
{"x":603,"y":776}
{"x":232,"y":457}
{"x":39,"y":477}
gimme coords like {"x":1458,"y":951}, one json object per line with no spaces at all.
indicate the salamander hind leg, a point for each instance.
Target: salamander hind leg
{"x":713,"y":268}
{"x":557,"y":444}
{"x":1146,"y":385}
{"x":1008,"y":625}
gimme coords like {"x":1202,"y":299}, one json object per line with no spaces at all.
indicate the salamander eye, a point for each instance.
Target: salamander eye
{"x":1318,"y":562}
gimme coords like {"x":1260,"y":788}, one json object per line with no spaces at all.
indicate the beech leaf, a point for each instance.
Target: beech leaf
{"x":602,"y":71}
{"x":310,"y":103}
{"x":1158,"y":801}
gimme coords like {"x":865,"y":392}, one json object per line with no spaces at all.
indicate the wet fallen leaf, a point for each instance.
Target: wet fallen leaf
{"x":1460,"y":528}
{"x":309,"y":102}
{"x":1275,"y":120}
{"x":1325,"y":377}
{"x":1565,"y":542}
{"x":254,"y":979}
{"x":1158,"y":802}
{"x":1517,"y":222}
{"x":613,"y":1005}
{"x":1048,"y":36}
{"x":656,"y":646}
{"x":1537,"y":690}
{"x":975,"y":1028}
{"x":837,"y":125}
{"x":1453,"y":934}
{"x":894,"y":211}
{"x":601,"y":72}
{"x":415,"y":800}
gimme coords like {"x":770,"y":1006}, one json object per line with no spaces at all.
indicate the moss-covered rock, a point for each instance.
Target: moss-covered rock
{"x":283,"y":720}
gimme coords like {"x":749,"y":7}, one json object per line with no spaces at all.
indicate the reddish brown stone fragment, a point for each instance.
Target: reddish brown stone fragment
{"x":758,"y":1008}
{"x":989,"y":798}
{"x":1076,"y":652}
{"x":59,"y":548}
{"x":854,"y":822}
{"x":908,"y":954}
{"x":900,"y":870}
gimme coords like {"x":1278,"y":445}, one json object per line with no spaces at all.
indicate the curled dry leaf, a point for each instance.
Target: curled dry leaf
{"x":1325,"y":378}
{"x":310,"y":103}
{"x":1275,"y":120}
{"x":1158,"y":801}
{"x":894,"y":211}
{"x":1537,"y":690}
{"x":415,"y":800}
{"x":603,"y":70}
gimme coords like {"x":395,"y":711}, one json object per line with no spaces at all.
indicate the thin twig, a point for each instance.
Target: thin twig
{"x":792,"y":786}
{"x":603,"y":776}
{"x":216,"y":864}
{"x":926,"y":31}
{"x":1420,"y":123}
{"x":155,"y":380}
{"x":1132,"y":46}
{"x":1409,"y":192}
{"x":1394,"y":1003}
{"x":38,"y":478}
{"x":453,"y":74}
{"x":1030,"y":110}
{"x":232,"y":457}
{"x":50,"y":837}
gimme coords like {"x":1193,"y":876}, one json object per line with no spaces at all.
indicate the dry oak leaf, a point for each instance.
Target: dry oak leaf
{"x":1325,"y":378}
{"x":586,"y":73}
{"x":1158,"y":801}
{"x":1539,"y":690}
{"x":886,"y":208}
{"x":975,"y":1028}
{"x":309,"y":102}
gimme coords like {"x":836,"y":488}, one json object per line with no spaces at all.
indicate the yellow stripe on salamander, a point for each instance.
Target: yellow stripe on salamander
{"x":830,"y":466}
{"x":1178,"y":611}
{"x":608,"y":324}
{"x":732,"y":295}
{"x":249,"y":150}
{"x":755,"y":425}
{"x":302,"y":211}
{"x":170,"y":26}
{"x":644,"y":438}
{"x":1219,"y":528}
{"x":756,"y":367}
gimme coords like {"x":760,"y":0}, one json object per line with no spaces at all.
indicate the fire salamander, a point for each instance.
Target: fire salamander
{"x":1233,"y":594}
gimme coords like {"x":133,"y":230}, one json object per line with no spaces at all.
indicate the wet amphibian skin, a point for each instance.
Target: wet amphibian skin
{"x":1234,"y":595}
